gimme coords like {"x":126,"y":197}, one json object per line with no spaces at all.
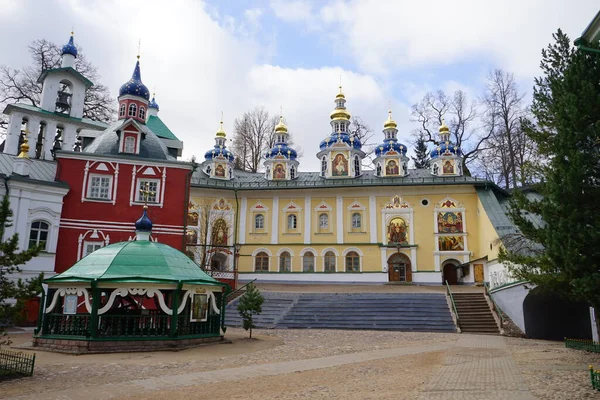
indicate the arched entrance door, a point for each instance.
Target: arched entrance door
{"x":450,"y":272}
{"x":399,"y":269}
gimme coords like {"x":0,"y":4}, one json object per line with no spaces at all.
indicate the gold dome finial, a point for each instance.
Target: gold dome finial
{"x":390,"y":123}
{"x":280,"y":127}
{"x":24,"y":147}
{"x":221,"y":131}
{"x":444,"y":128}
{"x":340,"y":95}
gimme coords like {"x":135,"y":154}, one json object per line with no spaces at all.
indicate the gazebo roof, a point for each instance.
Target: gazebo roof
{"x":139,"y":261}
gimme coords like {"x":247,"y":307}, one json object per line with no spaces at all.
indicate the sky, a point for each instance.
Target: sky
{"x":204,"y":58}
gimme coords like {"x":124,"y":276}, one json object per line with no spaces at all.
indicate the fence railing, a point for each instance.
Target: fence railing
{"x":583,"y":344}
{"x":452,"y":301}
{"x":238,"y":292}
{"x":15,"y":364}
{"x":595,"y":378}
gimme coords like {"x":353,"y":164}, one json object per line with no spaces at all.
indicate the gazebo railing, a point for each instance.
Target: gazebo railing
{"x":209,"y":327}
{"x":134,"y":326}
{"x":67,"y":325}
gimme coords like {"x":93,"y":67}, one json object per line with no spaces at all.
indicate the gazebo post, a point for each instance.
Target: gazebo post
{"x":174,"y":308}
{"x":95,"y":306}
{"x":41,"y":313}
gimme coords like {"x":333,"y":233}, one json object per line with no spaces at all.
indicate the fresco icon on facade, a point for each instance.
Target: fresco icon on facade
{"x":397,"y":231}
{"x":279,"y":172}
{"x":219,"y":233}
{"x":220,"y":170}
{"x":451,"y":243}
{"x":391,"y":168}
{"x":448,"y":167}
{"x":340,"y":165}
{"x":450,"y":222}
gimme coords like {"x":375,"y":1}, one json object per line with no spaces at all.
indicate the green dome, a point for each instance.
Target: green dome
{"x":136,"y":261}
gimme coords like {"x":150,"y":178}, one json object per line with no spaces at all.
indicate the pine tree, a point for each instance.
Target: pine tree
{"x":10,"y":259}
{"x":250,"y":304}
{"x":421,"y":158}
{"x":563,"y":255}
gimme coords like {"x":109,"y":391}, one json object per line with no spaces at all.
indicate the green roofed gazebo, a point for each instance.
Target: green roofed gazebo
{"x":131,"y":296}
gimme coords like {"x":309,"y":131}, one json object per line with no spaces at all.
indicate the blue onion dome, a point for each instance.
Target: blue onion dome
{"x":70,"y":48}
{"x":134,"y":86}
{"x":217,"y":152}
{"x":342,"y":137}
{"x":390,"y":145}
{"x":282,"y":149}
{"x":446,"y":147}
{"x":153,"y":103}
{"x":143,"y":224}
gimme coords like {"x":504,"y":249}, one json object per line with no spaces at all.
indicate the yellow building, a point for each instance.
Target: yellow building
{"x":344,"y":224}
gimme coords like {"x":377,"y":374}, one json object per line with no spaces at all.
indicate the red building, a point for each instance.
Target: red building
{"x":107,"y":177}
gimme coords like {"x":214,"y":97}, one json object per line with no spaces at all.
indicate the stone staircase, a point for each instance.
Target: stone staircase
{"x":419,"y":312}
{"x":474,"y":313}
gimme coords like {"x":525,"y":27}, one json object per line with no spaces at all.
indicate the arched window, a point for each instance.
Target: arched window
{"x":356,"y":220}
{"x":323,"y":221}
{"x":356,"y":166}
{"x":308,"y":262}
{"x":292,"y":172}
{"x":323,"y":165}
{"x":352,"y":262}
{"x":142,"y":113}
{"x":259,"y":221}
{"x":132,"y":110}
{"x":330,"y":261}
{"x":38,"y":234}
{"x":378,"y":169}
{"x":261,"y":262}
{"x":292,"y":221}
{"x":122,"y":110}
{"x":129,"y":146}
{"x":285,"y":262}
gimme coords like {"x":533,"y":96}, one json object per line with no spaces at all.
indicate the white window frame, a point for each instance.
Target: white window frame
{"x":356,"y":166}
{"x":261,"y":225}
{"x":359,"y":225}
{"x":96,"y":243}
{"x":292,"y":217}
{"x":129,"y":142}
{"x":292,"y":172}
{"x":132,"y":110}
{"x":138,"y":195}
{"x":142,"y":113}
{"x":122,"y":110}
{"x":324,"y":226}
{"x":281,"y":258}
{"x":323,"y":165}
{"x":39,"y":230}
{"x":305,"y":257}
{"x":89,"y":187}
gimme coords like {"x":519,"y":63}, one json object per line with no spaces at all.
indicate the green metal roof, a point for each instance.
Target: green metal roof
{"x":136,"y":261}
{"x":71,"y":70}
{"x":159,"y":128}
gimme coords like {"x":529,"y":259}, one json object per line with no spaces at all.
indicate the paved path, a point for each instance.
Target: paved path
{"x":476,"y":367}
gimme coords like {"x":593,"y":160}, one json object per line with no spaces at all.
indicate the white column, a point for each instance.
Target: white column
{"x":69,"y":135}
{"x":307,"y":219}
{"x":21,"y":214}
{"x":275,"y":220}
{"x":339,"y":212}
{"x":242,"y":221}
{"x":13,"y":134}
{"x":49,"y":134}
{"x":413,"y":257}
{"x":33,"y":126}
{"x":383,"y":259}
{"x":373,"y":218}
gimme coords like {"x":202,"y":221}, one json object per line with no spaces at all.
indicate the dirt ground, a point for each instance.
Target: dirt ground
{"x":548,"y":369}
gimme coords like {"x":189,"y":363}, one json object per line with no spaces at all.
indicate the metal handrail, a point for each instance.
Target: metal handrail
{"x":497,"y":309}
{"x":452,"y":300}
{"x":234,"y":294}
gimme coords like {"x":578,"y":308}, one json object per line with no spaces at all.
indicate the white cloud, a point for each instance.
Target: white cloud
{"x":292,"y":10}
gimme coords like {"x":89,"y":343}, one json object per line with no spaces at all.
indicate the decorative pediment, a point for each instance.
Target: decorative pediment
{"x":101,"y":167}
{"x":292,"y":207}
{"x":221,"y":205}
{"x":449,"y":202}
{"x":149,"y":171}
{"x":356,"y":206}
{"x":258,"y":206}
{"x":323,"y":206}
{"x":396,"y":202}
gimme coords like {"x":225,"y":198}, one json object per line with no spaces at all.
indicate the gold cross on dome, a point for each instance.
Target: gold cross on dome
{"x":145,"y":193}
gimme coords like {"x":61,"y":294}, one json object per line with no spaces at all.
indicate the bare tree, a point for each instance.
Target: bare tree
{"x":510,"y":152}
{"x":461,"y":116}
{"x":20,"y":85}
{"x":252,"y":134}
{"x":362,"y":131}
{"x":201,"y":235}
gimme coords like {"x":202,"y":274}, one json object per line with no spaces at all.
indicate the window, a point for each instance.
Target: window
{"x":122,"y":111}
{"x":292,"y":221}
{"x":308,"y":262}
{"x":292,"y":172}
{"x":90,"y":247}
{"x":132,"y":110}
{"x":152,"y":187}
{"x":352,"y":262}
{"x":356,"y":221}
{"x":99,"y":187}
{"x":142,"y":113}
{"x":378,"y":169}
{"x":129,"y":146}
{"x":261,"y":262}
{"x":323,"y":221}
{"x":330,"y":261}
{"x":285,"y":262}
{"x":259,"y":221}
{"x":38,"y":235}
{"x":323,"y":165}
{"x":356,"y":166}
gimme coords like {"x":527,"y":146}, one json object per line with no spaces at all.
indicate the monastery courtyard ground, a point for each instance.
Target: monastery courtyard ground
{"x":319,"y":364}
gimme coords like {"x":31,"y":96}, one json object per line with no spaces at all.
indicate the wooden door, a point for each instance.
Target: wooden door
{"x":394,"y":272}
{"x":450,"y":274}
{"x":478,"y":273}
